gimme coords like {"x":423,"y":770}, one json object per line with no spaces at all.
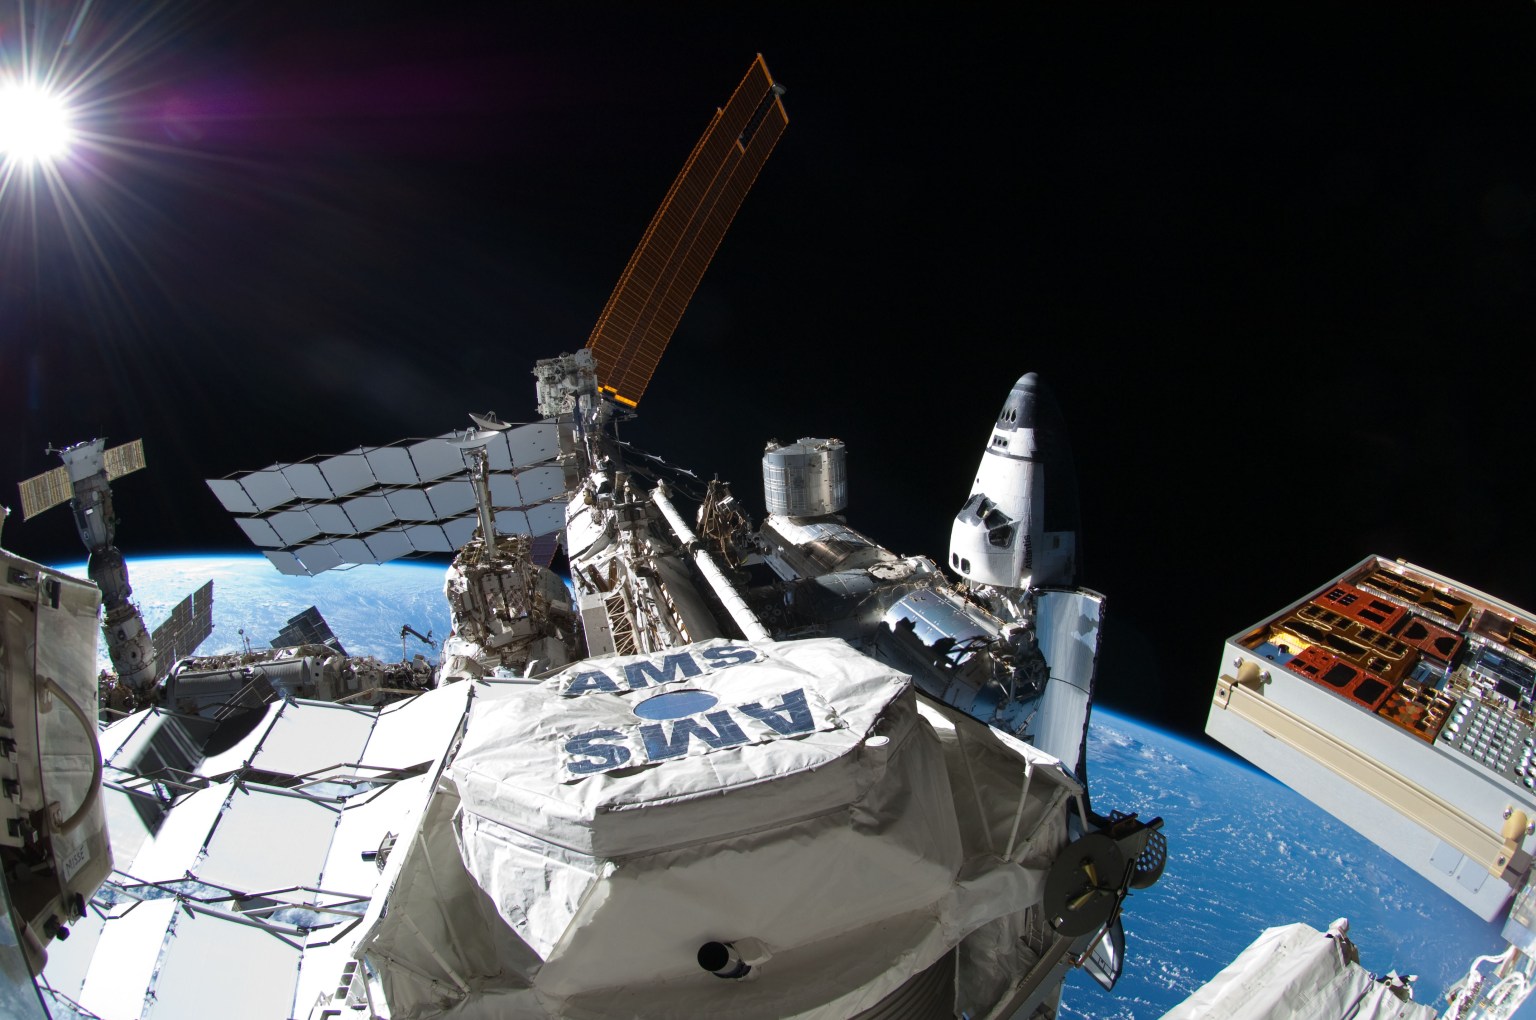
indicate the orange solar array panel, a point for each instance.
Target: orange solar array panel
{"x":659,"y":281}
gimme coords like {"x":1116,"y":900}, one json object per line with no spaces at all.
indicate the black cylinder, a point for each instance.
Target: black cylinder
{"x":722,"y":961}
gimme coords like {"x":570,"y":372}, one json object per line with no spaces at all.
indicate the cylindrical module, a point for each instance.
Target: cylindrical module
{"x":808,"y":478}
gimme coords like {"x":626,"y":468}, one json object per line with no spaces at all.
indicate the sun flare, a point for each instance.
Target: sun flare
{"x":34,"y":125}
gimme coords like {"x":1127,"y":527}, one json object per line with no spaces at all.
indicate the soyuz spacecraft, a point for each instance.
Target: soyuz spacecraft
{"x":771,"y":770}
{"x":140,"y":659}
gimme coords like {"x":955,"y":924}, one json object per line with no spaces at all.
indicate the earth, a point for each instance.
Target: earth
{"x":365,"y":606}
{"x":1244,"y":852}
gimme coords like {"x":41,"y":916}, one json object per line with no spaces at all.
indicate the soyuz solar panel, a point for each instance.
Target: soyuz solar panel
{"x":44,"y":491}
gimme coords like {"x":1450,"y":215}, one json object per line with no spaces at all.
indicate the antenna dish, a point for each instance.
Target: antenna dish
{"x":489,"y":421}
{"x":474,"y":440}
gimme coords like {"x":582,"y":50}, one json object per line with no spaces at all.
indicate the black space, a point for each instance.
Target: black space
{"x":1275,"y":264}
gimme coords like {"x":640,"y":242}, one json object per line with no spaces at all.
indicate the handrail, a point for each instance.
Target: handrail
{"x":93,"y":794}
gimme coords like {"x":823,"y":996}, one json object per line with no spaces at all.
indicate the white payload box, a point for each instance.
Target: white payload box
{"x":53,"y":835}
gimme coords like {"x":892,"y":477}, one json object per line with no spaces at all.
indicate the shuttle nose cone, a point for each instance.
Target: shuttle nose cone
{"x":1019,"y":408}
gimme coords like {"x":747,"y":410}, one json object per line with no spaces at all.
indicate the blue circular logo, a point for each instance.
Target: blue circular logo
{"x":676,"y":704}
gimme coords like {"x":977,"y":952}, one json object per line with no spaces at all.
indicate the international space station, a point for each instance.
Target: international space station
{"x":736,"y":769}
{"x":749,"y":769}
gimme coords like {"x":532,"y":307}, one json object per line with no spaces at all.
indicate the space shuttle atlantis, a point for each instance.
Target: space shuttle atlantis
{"x":998,"y":538}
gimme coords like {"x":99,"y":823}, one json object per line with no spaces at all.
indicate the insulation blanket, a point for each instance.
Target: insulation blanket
{"x":1295,"y":972}
{"x":613,"y":819}
{"x":597,"y":761}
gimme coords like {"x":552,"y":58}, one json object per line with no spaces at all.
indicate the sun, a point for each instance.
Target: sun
{"x":35,"y":125}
